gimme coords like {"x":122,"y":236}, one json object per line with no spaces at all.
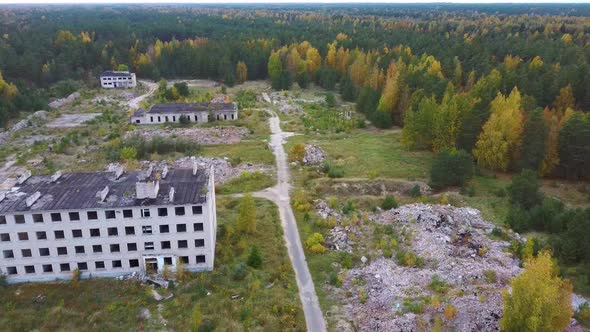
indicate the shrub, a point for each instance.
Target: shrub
{"x":451,"y":168}
{"x":524,"y":190}
{"x":239,"y":271}
{"x":415,"y":191}
{"x":301,"y":201}
{"x":254,"y":259}
{"x":389,"y":203}
{"x":297,"y":153}
{"x":450,"y":312}
{"x":490,"y":276}
{"x":345,"y":260}
{"x":363,"y":296}
{"x":245,"y":99}
{"x":315,"y":243}
{"x":330,"y":99}
{"x":128,"y":153}
{"x":332,"y":170}
{"x":75,"y":278}
{"x":348,"y":207}
{"x":438,"y":285}
{"x":184,"y":120}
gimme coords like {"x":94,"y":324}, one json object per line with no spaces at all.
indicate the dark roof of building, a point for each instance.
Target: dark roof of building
{"x":80,"y":191}
{"x":112,"y":73}
{"x":192,"y":107}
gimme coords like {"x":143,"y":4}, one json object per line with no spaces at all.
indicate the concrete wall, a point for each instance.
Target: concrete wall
{"x":207,"y":218}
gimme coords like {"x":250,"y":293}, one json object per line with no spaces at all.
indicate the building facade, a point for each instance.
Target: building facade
{"x":117,"y":79}
{"x":107,"y":224}
{"x":192,"y":112}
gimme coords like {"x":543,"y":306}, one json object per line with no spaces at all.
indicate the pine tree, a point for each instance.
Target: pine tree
{"x":533,"y":141}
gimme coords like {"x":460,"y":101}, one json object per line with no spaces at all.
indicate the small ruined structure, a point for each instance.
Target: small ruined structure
{"x":192,"y":112}
{"x":107,"y":224}
{"x":117,"y":79}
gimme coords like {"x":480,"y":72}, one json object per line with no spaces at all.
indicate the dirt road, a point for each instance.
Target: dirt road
{"x":279,"y":194}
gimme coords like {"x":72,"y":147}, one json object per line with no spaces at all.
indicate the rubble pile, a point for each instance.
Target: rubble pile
{"x":64,"y":101}
{"x":219,"y":98}
{"x":453,"y":245}
{"x":285,"y":103}
{"x":314,"y":155}
{"x":204,"y":136}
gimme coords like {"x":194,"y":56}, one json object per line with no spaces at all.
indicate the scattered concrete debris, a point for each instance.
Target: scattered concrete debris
{"x":159,"y":297}
{"x":314,"y":155}
{"x":453,"y":245}
{"x":377,"y":187}
{"x":220,"y":98}
{"x":284,"y":102}
{"x":205,"y":136}
{"x":72,"y":120}
{"x":144,"y":314}
{"x":64,"y":101}
{"x":236,"y":297}
{"x":36,"y":119}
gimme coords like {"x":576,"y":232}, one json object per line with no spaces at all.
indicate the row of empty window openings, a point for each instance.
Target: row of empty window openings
{"x":97,"y":248}
{"x":108,"y":214}
{"x":115,"y":78}
{"x":95,"y":232}
{"x":83,"y":266}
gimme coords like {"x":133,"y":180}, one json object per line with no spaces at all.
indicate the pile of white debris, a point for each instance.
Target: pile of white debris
{"x":314,"y":155}
{"x":454,"y":246}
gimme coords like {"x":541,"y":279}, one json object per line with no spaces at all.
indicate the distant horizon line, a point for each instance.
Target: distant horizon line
{"x":280,"y":2}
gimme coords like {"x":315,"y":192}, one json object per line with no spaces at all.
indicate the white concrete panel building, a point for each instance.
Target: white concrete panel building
{"x":107,"y":224}
{"x":117,"y":79}
{"x":193,"y":112}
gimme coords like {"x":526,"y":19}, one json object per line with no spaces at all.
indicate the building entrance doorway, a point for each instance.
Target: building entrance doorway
{"x":151,"y":265}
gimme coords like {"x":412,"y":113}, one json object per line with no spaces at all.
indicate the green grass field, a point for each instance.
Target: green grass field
{"x":363,"y":152}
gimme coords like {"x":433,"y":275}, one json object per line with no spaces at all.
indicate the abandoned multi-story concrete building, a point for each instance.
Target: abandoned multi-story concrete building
{"x":192,"y":112}
{"x":117,"y":79}
{"x":107,"y":224}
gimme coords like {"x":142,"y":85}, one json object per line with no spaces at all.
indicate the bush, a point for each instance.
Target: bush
{"x":254,"y":259}
{"x":415,"y":191}
{"x":451,"y":168}
{"x":450,"y":312}
{"x":245,"y":99}
{"x":490,"y":276}
{"x":438,"y":285}
{"x":389,"y":203}
{"x":348,"y":207}
{"x":332,"y":170}
{"x":524,"y":190}
{"x":315,"y":243}
{"x":128,"y":153}
{"x":297,"y":153}
{"x":239,"y":271}
{"x":330,"y":99}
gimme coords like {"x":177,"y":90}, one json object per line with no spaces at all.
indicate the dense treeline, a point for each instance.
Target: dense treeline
{"x":505,"y":86}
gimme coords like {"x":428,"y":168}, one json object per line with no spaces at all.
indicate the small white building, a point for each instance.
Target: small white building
{"x":192,"y":112}
{"x":107,"y":224}
{"x":117,"y":79}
